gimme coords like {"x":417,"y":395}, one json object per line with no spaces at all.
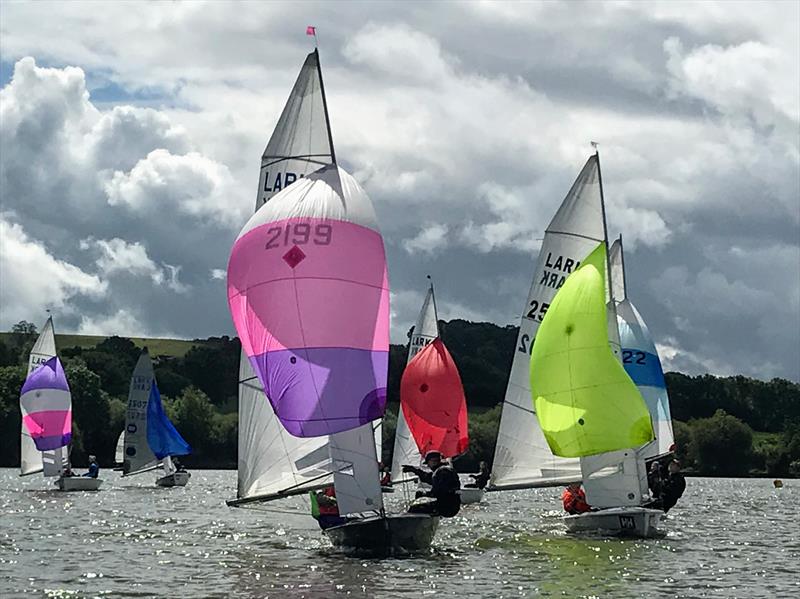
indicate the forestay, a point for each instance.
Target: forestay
{"x":522,"y":457}
{"x":640,"y":359}
{"x":426,"y":329}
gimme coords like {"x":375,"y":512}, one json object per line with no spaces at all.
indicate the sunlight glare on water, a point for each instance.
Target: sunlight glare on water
{"x":727,"y":538}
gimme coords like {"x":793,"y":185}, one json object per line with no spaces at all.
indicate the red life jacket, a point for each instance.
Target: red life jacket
{"x":324,"y":508}
{"x":574,"y":502}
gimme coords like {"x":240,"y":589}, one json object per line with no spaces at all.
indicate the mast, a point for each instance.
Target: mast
{"x":325,"y":106}
{"x":435,"y":311}
{"x":622,"y":261}
{"x":603,"y":210}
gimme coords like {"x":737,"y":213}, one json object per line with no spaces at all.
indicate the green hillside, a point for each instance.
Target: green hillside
{"x":171,"y":348}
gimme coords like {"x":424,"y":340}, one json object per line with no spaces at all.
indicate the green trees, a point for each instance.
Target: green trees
{"x":200,"y":394}
{"x":91,"y":414}
{"x":11,"y":379}
{"x":721,"y":445}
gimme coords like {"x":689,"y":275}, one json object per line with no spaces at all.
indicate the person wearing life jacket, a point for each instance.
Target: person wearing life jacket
{"x":94,"y":468}
{"x":325,"y":508}
{"x":481,"y":478}
{"x":574,"y":499}
{"x":386,"y":475}
{"x":444,"y":483}
{"x":673,"y":487}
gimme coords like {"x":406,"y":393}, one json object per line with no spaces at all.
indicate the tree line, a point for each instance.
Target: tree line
{"x":726,"y":426}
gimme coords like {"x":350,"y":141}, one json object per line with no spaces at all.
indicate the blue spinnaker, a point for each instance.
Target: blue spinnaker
{"x":162,"y":437}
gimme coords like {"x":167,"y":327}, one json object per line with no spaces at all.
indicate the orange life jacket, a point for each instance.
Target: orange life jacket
{"x":574,"y":502}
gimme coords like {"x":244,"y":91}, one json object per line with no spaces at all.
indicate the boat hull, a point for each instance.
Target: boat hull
{"x":395,"y":535}
{"x":176,"y":479}
{"x":470,"y":495}
{"x":619,"y":521}
{"x":78,"y":483}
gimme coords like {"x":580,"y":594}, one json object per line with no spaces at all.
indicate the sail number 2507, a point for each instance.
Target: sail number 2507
{"x":298,"y":234}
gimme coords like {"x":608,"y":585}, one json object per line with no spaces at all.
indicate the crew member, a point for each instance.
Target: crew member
{"x":574,"y":499}
{"x":325,"y":508}
{"x":480,"y":479}
{"x":673,"y":487}
{"x":444,"y":483}
{"x":94,"y":468}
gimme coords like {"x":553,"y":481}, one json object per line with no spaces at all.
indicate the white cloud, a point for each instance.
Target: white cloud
{"x":734,"y":79}
{"x":32,"y":279}
{"x":122,"y":323}
{"x":192,"y":184}
{"x":119,"y":256}
{"x":429,"y":239}
{"x":218,"y":274}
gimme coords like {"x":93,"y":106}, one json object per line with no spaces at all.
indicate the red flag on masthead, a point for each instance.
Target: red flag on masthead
{"x":310,"y":30}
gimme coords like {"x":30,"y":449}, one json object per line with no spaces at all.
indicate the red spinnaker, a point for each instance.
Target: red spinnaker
{"x":433,"y":402}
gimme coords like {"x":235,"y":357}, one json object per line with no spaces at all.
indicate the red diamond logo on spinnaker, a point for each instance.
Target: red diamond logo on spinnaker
{"x":294,"y":256}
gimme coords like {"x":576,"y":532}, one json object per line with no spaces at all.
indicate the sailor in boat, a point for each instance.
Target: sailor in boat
{"x":444,"y":483}
{"x":176,"y":463}
{"x":67,"y":472}
{"x":325,"y":508}
{"x":94,"y":468}
{"x":655,"y":478}
{"x":481,"y":479}
{"x":672,"y":487}
{"x":574,"y":499}
{"x":386,"y":475}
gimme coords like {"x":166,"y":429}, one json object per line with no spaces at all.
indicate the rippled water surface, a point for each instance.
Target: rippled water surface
{"x":727,"y":538}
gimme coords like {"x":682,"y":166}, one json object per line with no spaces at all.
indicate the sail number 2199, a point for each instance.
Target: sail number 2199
{"x":298,"y":234}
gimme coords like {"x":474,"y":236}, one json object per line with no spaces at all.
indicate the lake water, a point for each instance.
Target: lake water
{"x":727,"y":538}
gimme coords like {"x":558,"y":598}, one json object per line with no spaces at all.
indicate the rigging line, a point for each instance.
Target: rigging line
{"x":570,"y":234}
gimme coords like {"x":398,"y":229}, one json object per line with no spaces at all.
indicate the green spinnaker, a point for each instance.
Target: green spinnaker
{"x":585,"y":401}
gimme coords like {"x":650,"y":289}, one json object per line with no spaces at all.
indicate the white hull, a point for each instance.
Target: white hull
{"x":176,"y":479}
{"x":470,"y":495}
{"x":79,"y":483}
{"x":395,"y":535}
{"x":618,"y":521}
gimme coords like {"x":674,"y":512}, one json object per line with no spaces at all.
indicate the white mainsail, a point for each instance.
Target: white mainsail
{"x":425,"y":331}
{"x":137,"y":456}
{"x":32,"y":460}
{"x":640,"y":358}
{"x":522,"y":457}
{"x":119,"y":453}
{"x":272,"y":463}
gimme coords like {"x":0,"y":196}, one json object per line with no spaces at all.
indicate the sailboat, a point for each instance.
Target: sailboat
{"x":590,"y":408}
{"x":46,"y":405}
{"x":640,"y":358}
{"x":272,"y":463}
{"x":522,"y":457}
{"x":150,"y":439}
{"x":308,"y":292}
{"x":433,"y":409}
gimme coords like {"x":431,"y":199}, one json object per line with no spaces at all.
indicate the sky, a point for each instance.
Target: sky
{"x":131,"y":137}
